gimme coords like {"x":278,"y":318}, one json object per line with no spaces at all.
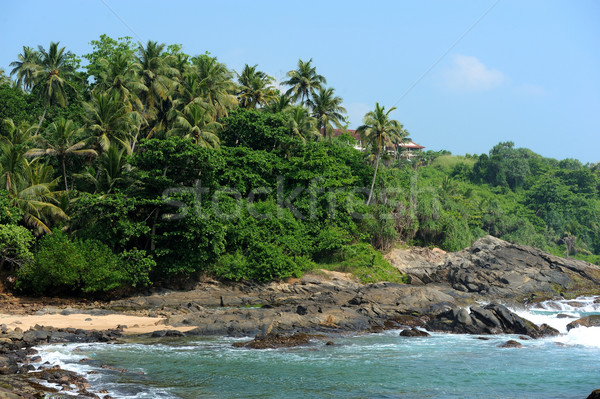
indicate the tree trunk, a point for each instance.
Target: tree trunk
{"x":64,"y":168}
{"x":374,"y":177}
{"x":41,"y":121}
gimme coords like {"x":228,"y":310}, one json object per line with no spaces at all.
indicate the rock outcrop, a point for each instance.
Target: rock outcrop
{"x":587,"y":321}
{"x":496,"y":269}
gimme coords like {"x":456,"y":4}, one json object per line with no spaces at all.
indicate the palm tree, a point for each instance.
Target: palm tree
{"x":256,"y":88}
{"x":52,"y":76}
{"x":112,"y":166}
{"x":157,"y":79}
{"x":280,"y":104}
{"x":196,"y":122}
{"x":33,"y":193}
{"x":62,"y":141}
{"x":216,"y":85}
{"x":379,"y":130}
{"x":4,"y":80}
{"x":13,"y":146}
{"x":25,"y":67}
{"x":301,"y":124}
{"x":327,"y":109}
{"x":118,"y":75}
{"x":304,"y":82}
{"x":109,"y":120}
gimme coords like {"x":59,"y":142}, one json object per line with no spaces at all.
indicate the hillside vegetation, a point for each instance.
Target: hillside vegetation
{"x":150,"y":166}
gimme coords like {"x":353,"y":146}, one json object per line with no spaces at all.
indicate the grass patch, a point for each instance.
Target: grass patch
{"x":367,"y":264}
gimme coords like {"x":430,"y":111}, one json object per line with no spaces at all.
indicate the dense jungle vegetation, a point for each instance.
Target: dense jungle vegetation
{"x":150,"y":166}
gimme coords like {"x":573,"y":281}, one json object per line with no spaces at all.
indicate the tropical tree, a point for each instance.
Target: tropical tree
{"x":301,"y":124}
{"x":327,"y":109}
{"x":52,"y":76}
{"x":196,"y":122}
{"x":157,"y":79}
{"x":256,"y":88}
{"x":280,"y":104}
{"x":379,"y":131}
{"x":109,"y":120}
{"x":26,"y":67}
{"x":13,"y":146}
{"x":304,"y":82}
{"x":34,"y":194}
{"x":112,"y":168}
{"x":118,"y":75}
{"x":62,"y":140}
{"x":216,"y":85}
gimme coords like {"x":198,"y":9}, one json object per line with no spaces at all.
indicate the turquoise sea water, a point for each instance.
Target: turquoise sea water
{"x":362,"y":366}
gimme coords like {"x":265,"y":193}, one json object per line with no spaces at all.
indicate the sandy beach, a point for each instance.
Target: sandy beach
{"x":135,"y":324}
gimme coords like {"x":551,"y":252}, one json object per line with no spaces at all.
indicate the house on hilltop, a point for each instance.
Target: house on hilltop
{"x":406,"y":150}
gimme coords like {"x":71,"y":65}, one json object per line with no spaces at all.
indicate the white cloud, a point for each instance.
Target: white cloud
{"x":467,"y":73}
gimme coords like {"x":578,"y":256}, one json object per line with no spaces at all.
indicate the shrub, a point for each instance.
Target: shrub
{"x":15,"y":244}
{"x":63,"y":266}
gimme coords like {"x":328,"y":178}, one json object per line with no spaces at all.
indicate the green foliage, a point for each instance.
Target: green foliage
{"x":15,"y":245}
{"x":255,"y":130}
{"x":8,"y":213}
{"x":107,"y":48}
{"x":14,"y":104}
{"x":365,"y":263}
{"x":64,"y":266}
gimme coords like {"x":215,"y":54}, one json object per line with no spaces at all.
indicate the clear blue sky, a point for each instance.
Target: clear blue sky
{"x":528,"y":71}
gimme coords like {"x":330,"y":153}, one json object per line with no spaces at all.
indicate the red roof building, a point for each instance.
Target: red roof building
{"x":410,"y":145}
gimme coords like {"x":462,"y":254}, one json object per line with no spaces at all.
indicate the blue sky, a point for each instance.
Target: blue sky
{"x":528,"y":71}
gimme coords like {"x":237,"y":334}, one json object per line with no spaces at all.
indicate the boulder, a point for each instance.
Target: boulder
{"x":594,"y":395}
{"x":273,"y":341}
{"x":587,"y":321}
{"x":511,"y":344}
{"x":414,"y":332}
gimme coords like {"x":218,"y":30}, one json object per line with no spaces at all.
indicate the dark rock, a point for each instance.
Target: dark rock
{"x":564,"y":316}
{"x":511,"y":344}
{"x":483,"y":338}
{"x":167,"y":333}
{"x":414,"y":332}
{"x":587,"y":321}
{"x":301,"y":310}
{"x":594,"y":395}
{"x":329,"y":343}
{"x":273,"y":341}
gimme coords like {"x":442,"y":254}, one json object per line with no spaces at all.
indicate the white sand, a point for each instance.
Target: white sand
{"x":135,"y":324}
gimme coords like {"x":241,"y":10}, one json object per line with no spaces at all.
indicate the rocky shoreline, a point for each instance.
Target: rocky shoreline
{"x":464,"y":292}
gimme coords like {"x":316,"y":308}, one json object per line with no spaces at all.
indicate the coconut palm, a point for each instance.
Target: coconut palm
{"x":52,"y":76}
{"x":118,"y":75}
{"x":109,"y":120}
{"x":25,"y":68}
{"x":378,"y":130}
{"x":157,"y":79}
{"x":4,"y":80}
{"x":256,"y":88}
{"x":280,"y":104}
{"x":301,"y":124}
{"x":196,"y":122}
{"x":216,"y":85}
{"x":13,"y":146}
{"x":33,"y":192}
{"x":304,"y":82}
{"x":62,"y":140}
{"x":112,"y":165}
{"x":327,"y":109}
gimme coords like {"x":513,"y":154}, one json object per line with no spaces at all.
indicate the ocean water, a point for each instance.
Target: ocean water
{"x":381,"y":365}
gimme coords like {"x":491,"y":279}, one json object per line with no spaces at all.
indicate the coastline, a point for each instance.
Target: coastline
{"x":442,"y":297}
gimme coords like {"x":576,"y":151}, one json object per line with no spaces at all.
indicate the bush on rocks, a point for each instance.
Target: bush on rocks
{"x":64,"y":266}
